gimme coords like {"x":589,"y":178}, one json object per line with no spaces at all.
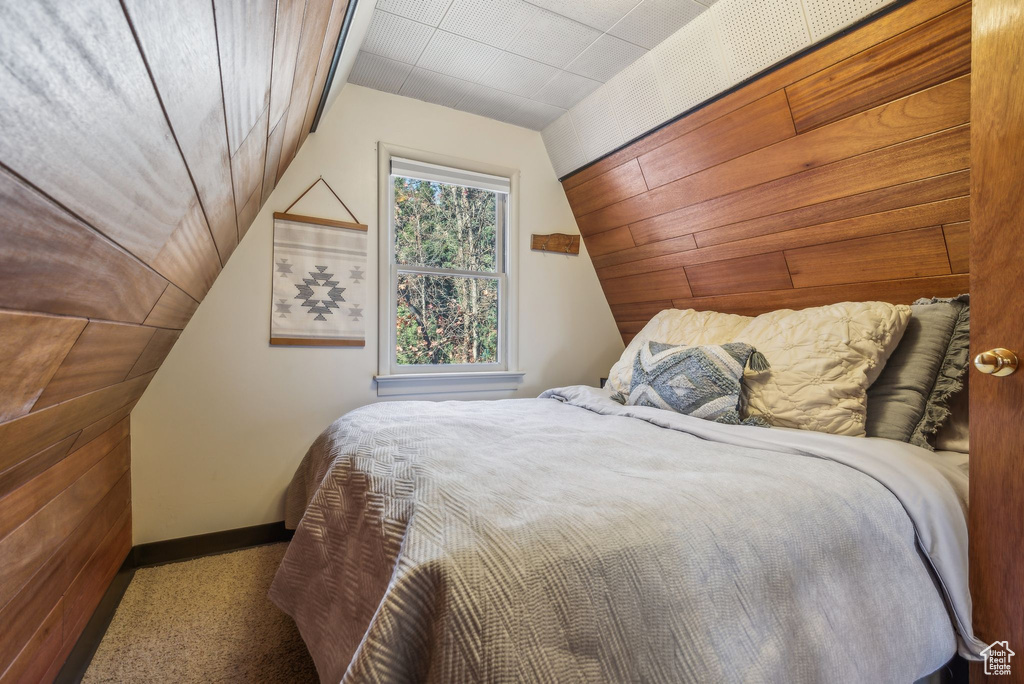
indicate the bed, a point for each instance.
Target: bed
{"x":572,"y":538}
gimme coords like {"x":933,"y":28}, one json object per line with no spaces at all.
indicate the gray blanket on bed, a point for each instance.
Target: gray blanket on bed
{"x":571,"y":539}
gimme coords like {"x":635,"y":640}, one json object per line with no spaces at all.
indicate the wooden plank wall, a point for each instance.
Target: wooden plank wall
{"x":140,"y":141}
{"x":843,"y":175}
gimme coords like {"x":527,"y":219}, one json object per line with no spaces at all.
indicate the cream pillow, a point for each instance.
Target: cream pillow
{"x":822,"y":359}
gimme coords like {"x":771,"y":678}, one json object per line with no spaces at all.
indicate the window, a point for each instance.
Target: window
{"x":446,"y":299}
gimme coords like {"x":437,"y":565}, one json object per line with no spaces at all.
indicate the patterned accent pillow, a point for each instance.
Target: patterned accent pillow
{"x":704,"y":382}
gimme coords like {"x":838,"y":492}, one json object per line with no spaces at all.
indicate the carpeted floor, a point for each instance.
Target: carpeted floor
{"x":203,"y":620}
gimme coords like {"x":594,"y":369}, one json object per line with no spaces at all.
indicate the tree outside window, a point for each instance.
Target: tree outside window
{"x":448,"y":256}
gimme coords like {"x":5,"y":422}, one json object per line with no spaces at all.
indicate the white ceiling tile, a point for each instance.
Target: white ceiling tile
{"x":396,"y":37}
{"x":434,"y":87}
{"x":563,"y":145}
{"x":636,"y":98}
{"x":456,"y":56}
{"x":494,"y":104}
{"x":828,"y":16}
{"x":517,"y":74}
{"x":605,"y":58}
{"x":552,"y":39}
{"x":379,"y":73}
{"x":652,"y":21}
{"x":690,"y":66}
{"x":494,"y":22}
{"x":566,"y":89}
{"x":756,"y":34}
{"x":535,"y":115}
{"x":423,"y":11}
{"x":595,"y":124}
{"x":600,"y":14}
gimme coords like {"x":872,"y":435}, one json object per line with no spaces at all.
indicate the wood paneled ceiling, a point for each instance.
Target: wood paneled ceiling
{"x":139,"y":141}
{"x":842,"y":175}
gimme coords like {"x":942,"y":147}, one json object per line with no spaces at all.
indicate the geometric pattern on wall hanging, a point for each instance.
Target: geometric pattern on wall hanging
{"x":319,"y":292}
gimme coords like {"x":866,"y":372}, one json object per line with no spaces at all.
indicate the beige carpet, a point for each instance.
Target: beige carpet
{"x":203,"y":620}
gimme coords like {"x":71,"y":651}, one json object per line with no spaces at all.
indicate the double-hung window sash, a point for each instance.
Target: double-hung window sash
{"x":479,"y":278}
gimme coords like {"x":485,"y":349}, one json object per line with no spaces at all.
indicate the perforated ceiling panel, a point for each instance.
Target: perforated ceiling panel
{"x":566,"y":89}
{"x":453,"y":55}
{"x":636,"y":98}
{"x":423,"y":11}
{"x":433,"y":87}
{"x":604,"y":58}
{"x":494,"y":22}
{"x":595,"y":124}
{"x":522,"y":60}
{"x":552,"y":39}
{"x":519,"y":47}
{"x":517,"y":74}
{"x":828,"y":16}
{"x":494,"y":104}
{"x":396,"y":37}
{"x":379,"y":73}
{"x":563,"y":146}
{"x":599,"y":14}
{"x":652,"y":21}
{"x":690,"y":66}
{"x":758,"y":33}
{"x":535,"y":115}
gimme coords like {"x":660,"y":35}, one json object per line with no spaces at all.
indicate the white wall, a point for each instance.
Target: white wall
{"x":227,"y":418}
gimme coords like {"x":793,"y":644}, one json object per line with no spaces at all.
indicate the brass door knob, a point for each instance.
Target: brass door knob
{"x":998,"y":362}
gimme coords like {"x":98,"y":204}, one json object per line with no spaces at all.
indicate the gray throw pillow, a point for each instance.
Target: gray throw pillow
{"x":909,"y":400}
{"x":704,"y":382}
{"x":955,"y":434}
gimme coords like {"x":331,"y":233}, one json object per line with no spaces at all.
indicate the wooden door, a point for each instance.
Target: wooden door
{"x":997,"y":320}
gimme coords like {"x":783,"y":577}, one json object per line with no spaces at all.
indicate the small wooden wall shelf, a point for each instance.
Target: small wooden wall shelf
{"x":560,"y":243}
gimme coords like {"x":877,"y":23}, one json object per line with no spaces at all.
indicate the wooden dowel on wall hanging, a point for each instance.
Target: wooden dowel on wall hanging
{"x":320,"y":221}
{"x":559,"y":243}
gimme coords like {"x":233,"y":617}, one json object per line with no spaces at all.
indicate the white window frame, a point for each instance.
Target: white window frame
{"x":395,"y":379}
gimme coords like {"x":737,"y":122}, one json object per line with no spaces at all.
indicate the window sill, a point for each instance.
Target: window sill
{"x":444,"y":383}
